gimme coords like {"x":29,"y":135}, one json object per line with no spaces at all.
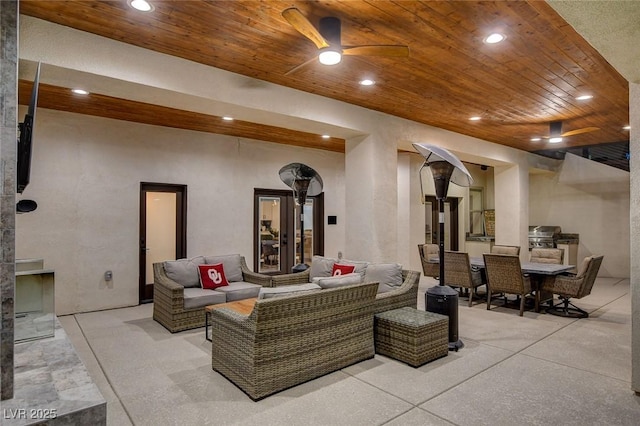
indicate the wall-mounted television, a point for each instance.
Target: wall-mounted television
{"x":25,"y":128}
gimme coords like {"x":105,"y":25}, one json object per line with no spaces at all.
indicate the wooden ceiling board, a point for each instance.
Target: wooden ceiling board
{"x":517,"y":87}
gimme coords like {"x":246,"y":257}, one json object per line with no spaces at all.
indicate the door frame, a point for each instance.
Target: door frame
{"x":145,"y":290}
{"x":288,"y":217}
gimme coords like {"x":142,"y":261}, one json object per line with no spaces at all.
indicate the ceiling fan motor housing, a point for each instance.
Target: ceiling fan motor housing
{"x":555,"y":128}
{"x":330,"y":29}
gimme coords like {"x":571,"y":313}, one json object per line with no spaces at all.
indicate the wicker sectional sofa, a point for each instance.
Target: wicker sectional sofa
{"x":400,"y":296}
{"x":289,"y":340}
{"x":180,"y":308}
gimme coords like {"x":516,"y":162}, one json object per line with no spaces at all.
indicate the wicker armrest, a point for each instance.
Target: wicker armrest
{"x":160,"y":279}
{"x":290,"y":279}
{"x":254,"y":277}
{"x":404,"y":296}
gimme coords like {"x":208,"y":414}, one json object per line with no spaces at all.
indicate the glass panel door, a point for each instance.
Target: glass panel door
{"x":278,"y":241}
{"x":306,"y":242}
{"x":270,"y":228}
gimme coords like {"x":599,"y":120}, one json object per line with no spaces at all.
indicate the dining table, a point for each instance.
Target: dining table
{"x":530,"y":267}
{"x":536,"y":269}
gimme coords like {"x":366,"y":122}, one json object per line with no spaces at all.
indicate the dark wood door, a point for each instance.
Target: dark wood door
{"x":163,"y":230}
{"x":278,"y":242}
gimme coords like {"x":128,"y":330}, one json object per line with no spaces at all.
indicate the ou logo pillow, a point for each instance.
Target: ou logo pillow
{"x":212,"y":276}
{"x":342,"y":269}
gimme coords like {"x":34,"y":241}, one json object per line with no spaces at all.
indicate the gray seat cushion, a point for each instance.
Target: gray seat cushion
{"x":287,"y":290}
{"x":239,"y":290}
{"x":199,"y":298}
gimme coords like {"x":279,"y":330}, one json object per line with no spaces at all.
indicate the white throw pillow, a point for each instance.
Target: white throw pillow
{"x":338,"y":280}
{"x":388,"y":275}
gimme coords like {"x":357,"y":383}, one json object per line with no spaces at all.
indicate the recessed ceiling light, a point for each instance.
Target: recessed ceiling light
{"x":80,"y":91}
{"x":535,"y":139}
{"x":627,"y":127}
{"x":227,"y":118}
{"x":476,"y":118}
{"x":555,"y":140}
{"x":494,"y":38}
{"x":584,"y":97}
{"x":325,"y":136}
{"x":141,"y":5}
{"x":367,"y":82}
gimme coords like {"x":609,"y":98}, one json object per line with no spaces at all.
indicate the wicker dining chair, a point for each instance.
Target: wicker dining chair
{"x":576,"y":286}
{"x":428,"y":251}
{"x":499,"y":249}
{"x":504,"y":275}
{"x":458,"y":272}
{"x":547,"y":255}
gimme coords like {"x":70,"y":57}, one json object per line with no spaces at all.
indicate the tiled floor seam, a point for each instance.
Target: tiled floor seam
{"x":104,"y":373}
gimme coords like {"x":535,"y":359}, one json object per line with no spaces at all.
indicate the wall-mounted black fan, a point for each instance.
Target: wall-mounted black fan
{"x":305,"y":182}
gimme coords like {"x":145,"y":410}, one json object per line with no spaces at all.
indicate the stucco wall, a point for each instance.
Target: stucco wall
{"x":599,"y":214}
{"x":86,"y":175}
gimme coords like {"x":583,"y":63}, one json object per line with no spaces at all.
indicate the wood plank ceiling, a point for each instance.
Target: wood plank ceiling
{"x":517,"y":87}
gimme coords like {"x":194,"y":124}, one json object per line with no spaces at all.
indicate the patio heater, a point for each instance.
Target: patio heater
{"x":304,"y":181}
{"x":445,"y":167}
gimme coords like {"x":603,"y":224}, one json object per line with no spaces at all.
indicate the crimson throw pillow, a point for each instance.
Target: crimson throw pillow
{"x":212,"y":276}
{"x":342,"y":269}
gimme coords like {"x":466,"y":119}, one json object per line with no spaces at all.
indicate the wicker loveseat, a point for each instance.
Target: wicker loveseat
{"x":289,"y":340}
{"x":403,"y":295}
{"x":178,"y":311}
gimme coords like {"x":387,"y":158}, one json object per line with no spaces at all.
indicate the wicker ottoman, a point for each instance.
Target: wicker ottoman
{"x":412,"y":336}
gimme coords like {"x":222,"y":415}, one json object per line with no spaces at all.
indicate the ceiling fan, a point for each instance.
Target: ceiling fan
{"x":327,"y":39}
{"x":556,"y":134}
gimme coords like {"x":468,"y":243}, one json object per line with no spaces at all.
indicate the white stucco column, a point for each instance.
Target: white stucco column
{"x":371,"y":192}
{"x":512,"y":206}
{"x":634,"y":204}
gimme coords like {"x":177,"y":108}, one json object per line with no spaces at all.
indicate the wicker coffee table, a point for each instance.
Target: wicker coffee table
{"x":412,"y":336}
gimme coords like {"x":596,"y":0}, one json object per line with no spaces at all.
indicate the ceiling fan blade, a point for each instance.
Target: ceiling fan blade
{"x":382,"y":50}
{"x":301,"y":24}
{"x":304,"y":64}
{"x":580,"y":131}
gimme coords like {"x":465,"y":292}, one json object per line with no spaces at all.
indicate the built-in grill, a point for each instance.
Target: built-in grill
{"x":543,"y":236}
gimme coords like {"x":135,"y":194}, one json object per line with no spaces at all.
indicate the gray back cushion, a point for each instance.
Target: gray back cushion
{"x":388,"y":275}
{"x":320,"y":267}
{"x":230,"y":263}
{"x":184,"y":271}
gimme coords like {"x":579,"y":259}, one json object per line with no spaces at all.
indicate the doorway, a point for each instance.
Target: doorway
{"x":432,"y":223}
{"x":163,"y":230}
{"x":278,"y":243}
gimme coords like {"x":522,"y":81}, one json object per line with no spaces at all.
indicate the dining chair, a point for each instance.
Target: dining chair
{"x":547,"y":255}
{"x":458,"y":272}
{"x":504,"y":275}
{"x":427,"y":251}
{"x":576,"y":286}
{"x":500,"y":249}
